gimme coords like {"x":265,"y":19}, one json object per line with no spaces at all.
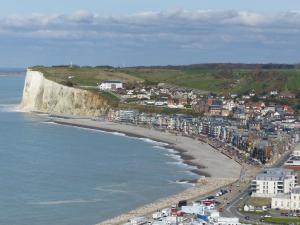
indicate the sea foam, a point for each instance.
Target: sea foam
{"x":9,"y":108}
{"x":61,"y":202}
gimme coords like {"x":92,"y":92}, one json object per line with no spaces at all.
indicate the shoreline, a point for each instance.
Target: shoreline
{"x":185,"y":159}
{"x":217,"y":170}
{"x":192,"y":151}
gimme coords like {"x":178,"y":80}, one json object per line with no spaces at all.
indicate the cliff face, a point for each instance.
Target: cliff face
{"x":47,"y":96}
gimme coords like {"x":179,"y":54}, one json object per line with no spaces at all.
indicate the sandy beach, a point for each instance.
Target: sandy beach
{"x":209,"y":161}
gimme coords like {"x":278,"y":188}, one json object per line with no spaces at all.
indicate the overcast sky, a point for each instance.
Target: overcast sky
{"x":148,"y":32}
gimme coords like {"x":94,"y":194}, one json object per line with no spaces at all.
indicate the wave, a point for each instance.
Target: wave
{"x":9,"y":108}
{"x":187,"y":169}
{"x":173,"y":156}
{"x":183,"y":182}
{"x":117,"y":188}
{"x":188,"y":172}
{"x":159,"y":147}
{"x":170,"y":150}
{"x":88,"y":129}
{"x":148,"y":140}
{"x":110,"y":190}
{"x":179,"y":163}
{"x":61,"y":202}
{"x":49,"y":122}
{"x":102,"y":131}
{"x":118,"y":134}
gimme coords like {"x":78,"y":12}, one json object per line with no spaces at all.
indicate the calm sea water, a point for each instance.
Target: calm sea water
{"x":59,"y":175}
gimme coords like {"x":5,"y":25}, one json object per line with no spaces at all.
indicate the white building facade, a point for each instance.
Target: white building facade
{"x":273,"y":181}
{"x":287,"y":201}
{"x":110,"y":85}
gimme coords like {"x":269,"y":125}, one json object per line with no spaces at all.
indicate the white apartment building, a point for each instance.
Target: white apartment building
{"x":287,"y":201}
{"x":110,"y":85}
{"x":273,"y":181}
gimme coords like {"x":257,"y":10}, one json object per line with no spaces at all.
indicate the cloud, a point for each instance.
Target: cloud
{"x":178,"y":29}
{"x":177,"y":25}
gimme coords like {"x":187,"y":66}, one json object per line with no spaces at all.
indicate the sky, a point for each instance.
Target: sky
{"x":148,"y":32}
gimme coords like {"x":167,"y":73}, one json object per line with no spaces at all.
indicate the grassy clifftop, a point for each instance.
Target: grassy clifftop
{"x":219,"y":78}
{"x":85,"y":76}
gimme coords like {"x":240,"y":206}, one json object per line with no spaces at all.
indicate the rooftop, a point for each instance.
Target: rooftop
{"x":283,"y":196}
{"x":296,"y":190}
{"x":274,"y":174}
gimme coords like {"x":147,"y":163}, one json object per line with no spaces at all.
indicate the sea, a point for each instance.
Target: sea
{"x":59,"y":175}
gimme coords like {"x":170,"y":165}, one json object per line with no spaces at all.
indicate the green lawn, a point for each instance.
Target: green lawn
{"x":259,"y":201}
{"x":85,"y":76}
{"x":222,"y":80}
{"x":282,"y":220}
{"x":217,"y":80}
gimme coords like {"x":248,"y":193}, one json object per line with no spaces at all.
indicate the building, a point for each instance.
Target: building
{"x":273,"y":181}
{"x":293,"y":163}
{"x":128,"y":116}
{"x":287,"y":201}
{"x":110,"y":85}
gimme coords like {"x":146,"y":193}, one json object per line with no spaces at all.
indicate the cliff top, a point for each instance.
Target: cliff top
{"x":86,"y":76}
{"x":217,"y":78}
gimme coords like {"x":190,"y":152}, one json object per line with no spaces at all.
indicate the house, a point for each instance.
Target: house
{"x":289,"y":201}
{"x":288,"y":110}
{"x":200,"y":106}
{"x":273,"y":181}
{"x":287,"y":94}
{"x":110,"y":85}
{"x":215,"y":107}
{"x":274,"y":93}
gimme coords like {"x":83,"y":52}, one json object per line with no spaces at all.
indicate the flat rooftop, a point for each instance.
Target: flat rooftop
{"x":274,"y":174}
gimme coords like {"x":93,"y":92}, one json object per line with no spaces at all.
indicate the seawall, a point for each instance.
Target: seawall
{"x":43,"y":95}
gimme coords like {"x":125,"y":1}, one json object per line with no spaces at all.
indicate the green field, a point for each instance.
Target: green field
{"x":84,"y":76}
{"x":217,"y":80}
{"x":282,"y":220}
{"x":258,"y":202}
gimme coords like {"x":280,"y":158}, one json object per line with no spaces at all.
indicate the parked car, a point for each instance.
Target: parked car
{"x":182,"y":203}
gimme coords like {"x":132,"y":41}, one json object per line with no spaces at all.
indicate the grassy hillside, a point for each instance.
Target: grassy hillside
{"x":218,"y":79}
{"x":223,"y":80}
{"x":84,"y":76}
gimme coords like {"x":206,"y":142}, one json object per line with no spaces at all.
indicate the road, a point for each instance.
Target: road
{"x":231,"y":209}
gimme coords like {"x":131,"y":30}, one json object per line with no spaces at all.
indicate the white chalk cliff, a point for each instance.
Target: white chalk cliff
{"x":47,"y":96}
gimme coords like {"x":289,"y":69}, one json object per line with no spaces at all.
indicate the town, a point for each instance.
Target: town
{"x":250,"y":129}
